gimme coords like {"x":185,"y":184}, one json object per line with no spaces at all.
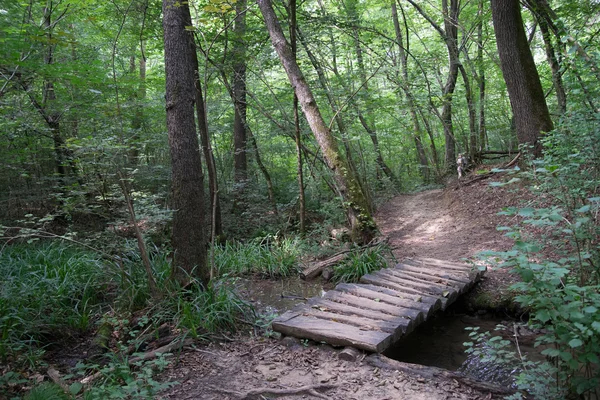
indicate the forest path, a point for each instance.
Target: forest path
{"x":436,"y":225}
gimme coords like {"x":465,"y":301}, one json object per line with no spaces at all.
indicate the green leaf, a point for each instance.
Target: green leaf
{"x":590,"y":310}
{"x":583,"y":209}
{"x":543,"y":316}
{"x":551,"y":352}
{"x":75,"y":388}
{"x":575,"y":343}
{"x":527,"y":212}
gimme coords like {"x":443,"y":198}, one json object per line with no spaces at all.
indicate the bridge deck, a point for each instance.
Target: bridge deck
{"x":385,"y":306}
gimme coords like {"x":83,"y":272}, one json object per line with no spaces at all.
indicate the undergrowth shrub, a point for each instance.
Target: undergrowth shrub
{"x":557,"y":255}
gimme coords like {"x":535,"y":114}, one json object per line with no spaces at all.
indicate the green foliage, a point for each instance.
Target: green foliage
{"x":360,"y":263}
{"x":47,"y":391}
{"x":560,"y":274}
{"x":271,"y":256}
{"x":49,"y":290}
{"x":500,"y":361}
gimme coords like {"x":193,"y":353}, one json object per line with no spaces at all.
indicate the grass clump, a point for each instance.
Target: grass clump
{"x":269,"y":257}
{"x":49,"y":291}
{"x":361,"y":263}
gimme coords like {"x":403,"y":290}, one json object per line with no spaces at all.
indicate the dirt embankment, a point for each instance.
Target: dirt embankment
{"x":446,"y":224}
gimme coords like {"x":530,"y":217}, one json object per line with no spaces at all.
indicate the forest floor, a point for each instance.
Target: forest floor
{"x":452,"y":224}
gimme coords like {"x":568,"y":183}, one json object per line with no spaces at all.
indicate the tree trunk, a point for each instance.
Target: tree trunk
{"x":423,"y":163}
{"x":482,"y":124}
{"x":188,"y":237}
{"x":561,"y":96}
{"x":472,"y":114}
{"x":239,"y":92}
{"x":213,"y":183}
{"x":520,"y":74}
{"x":451,"y":38}
{"x":297,"y":135}
{"x":347,"y":185}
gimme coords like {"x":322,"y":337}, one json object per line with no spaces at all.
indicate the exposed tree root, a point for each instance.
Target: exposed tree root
{"x":426,"y":372}
{"x":310,"y":389}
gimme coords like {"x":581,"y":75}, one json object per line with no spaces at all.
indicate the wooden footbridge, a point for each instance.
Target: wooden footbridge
{"x":385,"y":306}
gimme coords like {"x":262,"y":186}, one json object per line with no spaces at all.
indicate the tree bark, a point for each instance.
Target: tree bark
{"x":188,"y":237}
{"x":347,"y":185}
{"x":520,"y":74}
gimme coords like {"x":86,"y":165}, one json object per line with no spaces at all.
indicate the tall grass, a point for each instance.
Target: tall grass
{"x":48,"y":290}
{"x":361,"y":263}
{"x":268,"y":257}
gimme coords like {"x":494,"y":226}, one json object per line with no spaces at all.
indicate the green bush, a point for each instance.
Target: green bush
{"x":557,"y":255}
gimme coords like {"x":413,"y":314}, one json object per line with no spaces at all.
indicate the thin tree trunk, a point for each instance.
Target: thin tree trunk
{"x":561,"y":96}
{"x":188,"y":237}
{"x":472,"y":113}
{"x":423,"y":163}
{"x":239,"y":92}
{"x":213,"y":183}
{"x":482,"y":124}
{"x":297,"y":136}
{"x":355,"y":202}
{"x":369,"y":127}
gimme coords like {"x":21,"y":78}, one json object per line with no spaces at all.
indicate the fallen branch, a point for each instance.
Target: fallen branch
{"x":382,"y":362}
{"x":55,"y":376}
{"x":311,"y":389}
{"x":513,"y":162}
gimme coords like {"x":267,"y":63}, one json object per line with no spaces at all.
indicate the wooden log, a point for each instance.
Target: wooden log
{"x":339,"y":308}
{"x":473,"y":273}
{"x":334,"y":333}
{"x":372,"y":305}
{"x":428,"y":288}
{"x":360,"y":322}
{"x":444,"y":265}
{"x":361,"y":290}
{"x":433,"y":272}
{"x":418,"y":294}
{"x":427,"y":302}
{"x":314,"y":270}
{"x":446,"y":284}
{"x":349,"y":354}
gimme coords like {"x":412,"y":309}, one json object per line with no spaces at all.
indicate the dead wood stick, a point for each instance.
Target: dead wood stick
{"x":427,"y":372}
{"x":513,"y":162}
{"x":55,"y":376}
{"x":174,"y":345}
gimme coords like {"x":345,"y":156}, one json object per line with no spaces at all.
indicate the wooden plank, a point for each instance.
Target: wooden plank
{"x":360,"y":322}
{"x":426,"y":287}
{"x":381,"y":281}
{"x":339,"y":308}
{"x":426,"y":280}
{"x":437,"y":280}
{"x":428,"y":271}
{"x":444,"y":265}
{"x":369,"y":304}
{"x":361,"y":290}
{"x":415,"y":297}
{"x":334,"y":333}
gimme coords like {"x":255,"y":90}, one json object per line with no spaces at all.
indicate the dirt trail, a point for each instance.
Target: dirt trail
{"x":441,"y":224}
